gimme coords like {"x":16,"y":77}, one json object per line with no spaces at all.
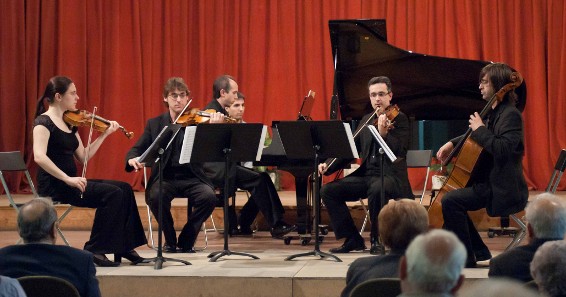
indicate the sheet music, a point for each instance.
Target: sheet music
{"x":382,"y":143}
{"x":188,"y":142}
{"x":351,"y":140}
{"x":261,"y":143}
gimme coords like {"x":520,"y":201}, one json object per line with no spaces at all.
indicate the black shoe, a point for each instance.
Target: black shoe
{"x":101,"y":261}
{"x":482,"y":255}
{"x":132,"y":256}
{"x":169,"y":248}
{"x":377,"y":249}
{"x":242,"y":232}
{"x":281,"y":229}
{"x":188,"y":250}
{"x":471,"y":264}
{"x":350,"y":245}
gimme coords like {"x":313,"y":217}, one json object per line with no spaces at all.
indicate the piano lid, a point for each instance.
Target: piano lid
{"x":425,"y":87}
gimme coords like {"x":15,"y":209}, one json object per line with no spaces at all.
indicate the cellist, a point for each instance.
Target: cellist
{"x":498,"y":184}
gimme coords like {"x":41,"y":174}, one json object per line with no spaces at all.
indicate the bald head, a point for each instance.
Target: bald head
{"x":546,"y":216}
{"x":400,"y":222}
{"x":433,"y":263}
{"x":36,"y":221}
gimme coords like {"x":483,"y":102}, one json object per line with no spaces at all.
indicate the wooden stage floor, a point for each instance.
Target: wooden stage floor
{"x":235,"y":275}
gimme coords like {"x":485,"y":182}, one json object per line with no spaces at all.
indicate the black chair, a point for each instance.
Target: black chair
{"x":47,"y":286}
{"x":379,"y":287}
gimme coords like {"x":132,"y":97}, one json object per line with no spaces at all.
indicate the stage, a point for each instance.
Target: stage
{"x":270,"y":275}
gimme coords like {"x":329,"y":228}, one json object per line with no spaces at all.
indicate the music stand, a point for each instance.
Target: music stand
{"x":154,"y":154}
{"x":226,"y":143}
{"x":306,"y":108}
{"x":383,"y":150}
{"x":314,"y":140}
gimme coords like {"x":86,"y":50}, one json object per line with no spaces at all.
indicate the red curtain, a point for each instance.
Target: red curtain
{"x":119,"y":53}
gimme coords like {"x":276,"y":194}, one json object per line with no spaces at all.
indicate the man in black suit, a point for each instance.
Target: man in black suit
{"x":179,"y":180}
{"x":39,"y":255}
{"x":366,"y":180}
{"x":262,"y":190}
{"x":399,"y":222}
{"x":546,"y":221}
{"x":499,"y":184}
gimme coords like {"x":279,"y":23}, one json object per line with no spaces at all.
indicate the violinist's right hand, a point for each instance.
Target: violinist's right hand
{"x":76,"y":182}
{"x":444,"y":151}
{"x":216,"y":117}
{"x":322,"y":167}
{"x":134,"y":162}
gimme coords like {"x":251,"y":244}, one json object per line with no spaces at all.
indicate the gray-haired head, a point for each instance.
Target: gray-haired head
{"x":434,"y":262}
{"x":546,"y":216}
{"x":36,"y":219}
{"x":548,"y":268}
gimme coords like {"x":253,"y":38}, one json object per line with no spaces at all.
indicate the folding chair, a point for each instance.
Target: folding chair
{"x":415,"y":159}
{"x":13,"y":161}
{"x":44,"y":285}
{"x":379,"y":287}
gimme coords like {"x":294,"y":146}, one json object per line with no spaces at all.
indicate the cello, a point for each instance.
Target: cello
{"x":468,"y":153}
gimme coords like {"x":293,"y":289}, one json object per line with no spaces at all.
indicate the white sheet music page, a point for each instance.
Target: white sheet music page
{"x":188,"y":142}
{"x":351,"y":140}
{"x":261,"y":143}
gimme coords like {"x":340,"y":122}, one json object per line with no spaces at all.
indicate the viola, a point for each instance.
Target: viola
{"x":80,"y":118}
{"x":195,"y":116}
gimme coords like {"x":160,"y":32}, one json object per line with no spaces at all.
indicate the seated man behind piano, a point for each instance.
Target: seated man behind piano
{"x":263,"y":193}
{"x":366,"y":181}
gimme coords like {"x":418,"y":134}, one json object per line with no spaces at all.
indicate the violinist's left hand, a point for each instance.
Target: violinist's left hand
{"x":475,"y":121}
{"x":112,"y":128}
{"x":383,"y":125}
{"x":216,"y":117}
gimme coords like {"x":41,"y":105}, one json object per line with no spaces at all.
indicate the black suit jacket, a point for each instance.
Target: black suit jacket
{"x":397,"y":140}
{"x":500,"y":174}
{"x":366,"y":268}
{"x":62,"y":261}
{"x":152,"y":128}
{"x":516,"y":262}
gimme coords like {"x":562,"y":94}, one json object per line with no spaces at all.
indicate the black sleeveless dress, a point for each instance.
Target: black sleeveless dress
{"x":117,"y":226}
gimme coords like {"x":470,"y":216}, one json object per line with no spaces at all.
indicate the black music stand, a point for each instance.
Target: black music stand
{"x":226,"y":143}
{"x":314,"y":140}
{"x":383,"y":150}
{"x":154,"y":154}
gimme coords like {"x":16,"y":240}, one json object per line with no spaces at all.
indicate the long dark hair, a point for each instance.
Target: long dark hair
{"x":57,"y":84}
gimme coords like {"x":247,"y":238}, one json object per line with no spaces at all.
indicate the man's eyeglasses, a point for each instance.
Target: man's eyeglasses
{"x":174,"y":96}
{"x":380,"y":94}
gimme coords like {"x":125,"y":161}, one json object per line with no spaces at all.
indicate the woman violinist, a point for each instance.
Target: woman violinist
{"x":498,"y":183}
{"x":117,"y":227}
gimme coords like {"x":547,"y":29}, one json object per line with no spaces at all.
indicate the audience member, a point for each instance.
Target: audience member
{"x":399,"y":223}
{"x":500,"y":287}
{"x":10,"y":287}
{"x":546,"y":221}
{"x":548,"y":268}
{"x":39,"y":255}
{"x":432,"y":265}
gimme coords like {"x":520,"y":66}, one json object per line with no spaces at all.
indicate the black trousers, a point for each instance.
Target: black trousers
{"x":352,"y":188}
{"x":455,"y":207}
{"x":263,"y":196}
{"x":201,"y":197}
{"x":117,"y":226}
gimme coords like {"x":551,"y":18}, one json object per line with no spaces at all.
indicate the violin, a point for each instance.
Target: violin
{"x":79,"y":118}
{"x":195,"y":116}
{"x":391,"y":112}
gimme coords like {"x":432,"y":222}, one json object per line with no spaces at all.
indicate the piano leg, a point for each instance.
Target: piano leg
{"x":303,"y":207}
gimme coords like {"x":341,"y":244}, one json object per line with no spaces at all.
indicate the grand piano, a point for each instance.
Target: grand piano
{"x":425,"y":88}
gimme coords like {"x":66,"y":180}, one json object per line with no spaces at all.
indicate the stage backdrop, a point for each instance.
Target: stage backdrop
{"x":119,"y":53}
